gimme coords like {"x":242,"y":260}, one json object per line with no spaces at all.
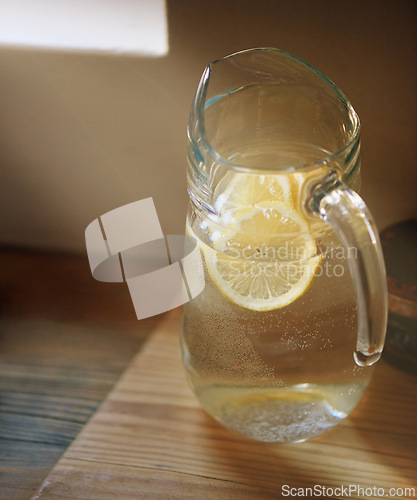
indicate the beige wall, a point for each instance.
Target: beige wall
{"x":82,"y":134}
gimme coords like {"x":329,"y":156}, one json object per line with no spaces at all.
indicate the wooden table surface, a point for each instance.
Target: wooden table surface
{"x":150,"y":439}
{"x":65,"y":340}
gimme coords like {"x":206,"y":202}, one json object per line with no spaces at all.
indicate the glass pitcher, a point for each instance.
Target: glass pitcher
{"x":280,"y":344}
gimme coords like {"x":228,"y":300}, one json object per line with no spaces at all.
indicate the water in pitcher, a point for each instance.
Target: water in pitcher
{"x":268,"y":344}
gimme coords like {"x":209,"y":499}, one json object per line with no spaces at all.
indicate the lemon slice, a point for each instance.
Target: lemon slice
{"x":265,"y":258}
{"x":240,"y":191}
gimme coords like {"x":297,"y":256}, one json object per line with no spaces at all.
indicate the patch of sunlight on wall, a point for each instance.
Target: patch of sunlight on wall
{"x":136,"y":27}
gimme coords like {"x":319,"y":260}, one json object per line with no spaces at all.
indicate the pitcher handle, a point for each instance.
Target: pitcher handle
{"x":346,"y":212}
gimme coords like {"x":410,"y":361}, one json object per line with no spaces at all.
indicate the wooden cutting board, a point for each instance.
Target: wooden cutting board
{"x":150,"y":439}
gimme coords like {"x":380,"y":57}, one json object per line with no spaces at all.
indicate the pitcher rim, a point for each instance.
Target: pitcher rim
{"x":200,"y":102}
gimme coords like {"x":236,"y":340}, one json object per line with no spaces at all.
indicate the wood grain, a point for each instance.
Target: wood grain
{"x":150,"y":439}
{"x":64,"y":341}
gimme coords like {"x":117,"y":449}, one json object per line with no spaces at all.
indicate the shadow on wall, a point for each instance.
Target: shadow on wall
{"x":83,"y":134}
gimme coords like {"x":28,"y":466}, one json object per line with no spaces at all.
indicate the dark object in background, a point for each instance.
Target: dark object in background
{"x":399,"y":243}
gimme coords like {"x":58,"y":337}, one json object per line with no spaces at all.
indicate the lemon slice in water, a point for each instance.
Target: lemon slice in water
{"x":265,"y":258}
{"x":246,"y":190}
